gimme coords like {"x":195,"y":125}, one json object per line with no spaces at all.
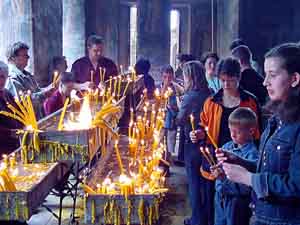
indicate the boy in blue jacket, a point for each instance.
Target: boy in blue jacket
{"x":232,"y":199}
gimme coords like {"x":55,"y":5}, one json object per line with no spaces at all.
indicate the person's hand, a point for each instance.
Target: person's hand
{"x":225,"y":156}
{"x":49,"y":89}
{"x":101,"y":86}
{"x":84,"y":86}
{"x":217,"y":171}
{"x":237,"y":173}
{"x":197,"y":135}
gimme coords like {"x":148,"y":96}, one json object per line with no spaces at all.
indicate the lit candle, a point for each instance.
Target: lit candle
{"x":92,"y":76}
{"x":141,"y":157}
{"x":210,"y":156}
{"x":119,"y":85}
{"x":206,"y":156}
{"x":119,"y":157}
{"x":12,"y":160}
{"x":126,"y":87}
{"x":55,"y":78}
{"x":129,"y":129}
{"x":211,"y":139}
{"x":115,"y":85}
{"x":131,"y":114}
{"x":5,"y":160}
{"x":192,"y":122}
{"x":121,"y":70}
{"x":62,"y":115}
{"x":110,"y":83}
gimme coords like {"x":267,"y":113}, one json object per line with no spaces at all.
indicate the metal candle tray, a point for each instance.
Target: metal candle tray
{"x":95,"y":204}
{"x":72,"y":145}
{"x":20,"y":205}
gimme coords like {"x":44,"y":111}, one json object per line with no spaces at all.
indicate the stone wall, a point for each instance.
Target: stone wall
{"x":200,"y":28}
{"x":261,"y":24}
{"x":73,"y":30}
{"x":47,"y":36}
{"x":153,"y":39}
{"x":103,"y":18}
{"x":15,"y":28}
{"x":227,"y":19}
{"x":264,"y":24}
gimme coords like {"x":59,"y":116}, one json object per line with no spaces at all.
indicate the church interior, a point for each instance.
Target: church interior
{"x":150,"y":112}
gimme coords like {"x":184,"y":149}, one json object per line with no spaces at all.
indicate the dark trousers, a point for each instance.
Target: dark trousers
{"x":201,"y":191}
{"x":181,"y":144}
{"x":231,"y":210}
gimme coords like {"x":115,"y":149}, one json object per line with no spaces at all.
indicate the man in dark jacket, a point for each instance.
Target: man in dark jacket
{"x":83,"y":67}
{"x":250,"y":79}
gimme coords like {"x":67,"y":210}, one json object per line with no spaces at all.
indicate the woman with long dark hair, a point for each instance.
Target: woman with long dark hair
{"x":275,"y":179}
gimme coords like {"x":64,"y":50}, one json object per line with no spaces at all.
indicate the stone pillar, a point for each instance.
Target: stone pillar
{"x":16,"y":25}
{"x":46,"y":35}
{"x":154,"y":33}
{"x":73,"y":30}
{"x":200,"y":28}
{"x":124,"y":41}
{"x":227,"y":24}
{"x":281,"y":21}
{"x":184,"y":29}
{"x":102,"y":18}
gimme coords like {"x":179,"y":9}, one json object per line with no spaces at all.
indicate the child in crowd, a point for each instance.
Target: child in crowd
{"x":57,"y":99}
{"x":232,"y":199}
{"x":172,"y":108}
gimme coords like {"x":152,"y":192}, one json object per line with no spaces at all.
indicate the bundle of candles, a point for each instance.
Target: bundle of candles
{"x":23,"y":111}
{"x":205,"y":151}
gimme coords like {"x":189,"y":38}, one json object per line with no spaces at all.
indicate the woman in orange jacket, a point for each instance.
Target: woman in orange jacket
{"x":216,"y":109}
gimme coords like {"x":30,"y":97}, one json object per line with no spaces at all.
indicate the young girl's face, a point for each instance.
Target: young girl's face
{"x":277,"y":81}
{"x":240,"y":135}
{"x":167,"y":78}
{"x":210,"y":65}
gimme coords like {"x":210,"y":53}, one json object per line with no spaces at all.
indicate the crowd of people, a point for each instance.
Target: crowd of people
{"x":256,"y":177}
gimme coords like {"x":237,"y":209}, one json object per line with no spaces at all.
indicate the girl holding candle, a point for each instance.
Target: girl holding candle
{"x":196,"y":91}
{"x":275,"y":179}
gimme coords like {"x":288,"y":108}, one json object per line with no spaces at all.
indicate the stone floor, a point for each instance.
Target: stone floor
{"x":173,"y":210}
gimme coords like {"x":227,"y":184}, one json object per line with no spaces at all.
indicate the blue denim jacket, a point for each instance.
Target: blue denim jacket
{"x":248,"y":151}
{"x":277,"y":180}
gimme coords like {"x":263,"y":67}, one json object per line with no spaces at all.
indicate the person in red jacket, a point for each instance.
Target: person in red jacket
{"x":57,"y":99}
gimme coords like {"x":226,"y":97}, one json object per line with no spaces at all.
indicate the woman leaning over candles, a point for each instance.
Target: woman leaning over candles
{"x":275,"y":179}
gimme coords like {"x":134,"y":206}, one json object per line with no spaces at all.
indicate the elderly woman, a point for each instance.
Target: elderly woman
{"x":196,"y":91}
{"x":8,"y":140}
{"x":20,"y":80}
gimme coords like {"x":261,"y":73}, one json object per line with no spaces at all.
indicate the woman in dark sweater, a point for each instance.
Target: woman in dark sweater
{"x":196,"y":91}
{"x":8,"y":139}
